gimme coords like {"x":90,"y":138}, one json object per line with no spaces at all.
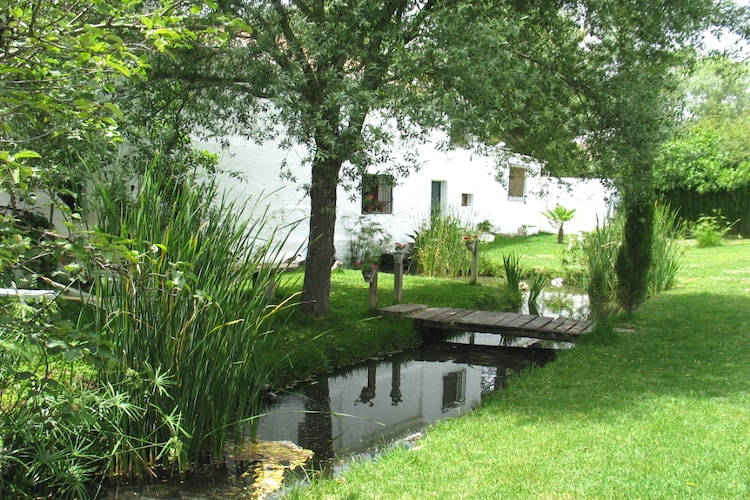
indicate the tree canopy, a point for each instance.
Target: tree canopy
{"x":576,"y":83}
{"x":60,"y":67}
{"x":709,"y":151}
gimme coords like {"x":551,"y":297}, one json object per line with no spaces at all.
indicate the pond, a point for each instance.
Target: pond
{"x":365,"y":407}
{"x":359,"y":411}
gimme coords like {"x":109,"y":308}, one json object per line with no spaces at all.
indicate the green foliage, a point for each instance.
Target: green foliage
{"x":701,"y":160}
{"x":558,"y":216}
{"x":61,"y":432}
{"x":368,"y":239}
{"x":536,"y":281}
{"x":599,"y":250}
{"x":187,"y":298}
{"x":63,"y":63}
{"x":709,"y":152}
{"x":710,"y":230}
{"x":666,"y":249}
{"x":485,"y":226}
{"x":439,"y":246}
{"x":513,"y":270}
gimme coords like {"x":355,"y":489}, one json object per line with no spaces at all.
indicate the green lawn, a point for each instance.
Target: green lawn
{"x":660,"y":409}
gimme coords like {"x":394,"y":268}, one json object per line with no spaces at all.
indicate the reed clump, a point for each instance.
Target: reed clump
{"x":440,"y":247}
{"x":185,"y":302}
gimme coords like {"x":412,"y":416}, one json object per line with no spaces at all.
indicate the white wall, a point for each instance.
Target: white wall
{"x":463,"y":171}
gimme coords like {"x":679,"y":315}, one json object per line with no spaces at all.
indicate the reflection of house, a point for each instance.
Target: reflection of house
{"x":462,"y":181}
{"x":379,"y":403}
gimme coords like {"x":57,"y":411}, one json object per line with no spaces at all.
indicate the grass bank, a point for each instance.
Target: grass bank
{"x":660,"y":409}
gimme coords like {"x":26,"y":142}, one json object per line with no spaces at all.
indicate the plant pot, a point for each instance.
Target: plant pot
{"x":368,"y":275}
{"x":471,"y":245}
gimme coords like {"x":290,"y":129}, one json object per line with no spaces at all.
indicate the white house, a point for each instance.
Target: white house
{"x":460,"y":180}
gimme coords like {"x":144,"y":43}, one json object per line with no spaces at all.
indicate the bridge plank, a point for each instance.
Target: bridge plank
{"x":503,"y":317}
{"x":538,"y":322}
{"x":565,"y":326}
{"x":521,"y":320}
{"x":553,"y":324}
{"x":500,"y":322}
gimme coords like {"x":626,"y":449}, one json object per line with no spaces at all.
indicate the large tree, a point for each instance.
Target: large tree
{"x":61,"y":64}
{"x":348,"y":79}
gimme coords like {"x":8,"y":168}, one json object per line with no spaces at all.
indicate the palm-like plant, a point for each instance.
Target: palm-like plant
{"x":559,"y":216}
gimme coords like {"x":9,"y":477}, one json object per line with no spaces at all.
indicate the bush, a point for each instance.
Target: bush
{"x":710,"y":230}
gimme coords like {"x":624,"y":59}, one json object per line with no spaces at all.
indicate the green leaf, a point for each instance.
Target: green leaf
{"x":26,"y":153}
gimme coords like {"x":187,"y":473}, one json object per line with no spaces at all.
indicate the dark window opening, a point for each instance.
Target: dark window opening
{"x":517,"y":182}
{"x":454,"y":390}
{"x":377,"y":194}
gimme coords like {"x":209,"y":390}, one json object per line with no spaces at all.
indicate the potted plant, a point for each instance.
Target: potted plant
{"x":368,"y":272}
{"x":471,"y":242}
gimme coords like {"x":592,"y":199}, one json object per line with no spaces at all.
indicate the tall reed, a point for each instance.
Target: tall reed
{"x":599,"y":253}
{"x":536,"y":280}
{"x":513,"y":270}
{"x":440,"y":248}
{"x":187,"y":305}
{"x":510,"y":297}
{"x":666,"y":250}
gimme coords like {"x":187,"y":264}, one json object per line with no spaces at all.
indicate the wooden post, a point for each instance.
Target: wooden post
{"x":398,"y":276}
{"x":474,"y":262}
{"x":374,"y":290}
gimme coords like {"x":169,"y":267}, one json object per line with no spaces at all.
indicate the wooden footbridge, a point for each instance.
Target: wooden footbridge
{"x":512,"y":324}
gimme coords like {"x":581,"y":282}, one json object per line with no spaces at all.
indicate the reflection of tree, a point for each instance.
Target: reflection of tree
{"x":315,"y":432}
{"x":368,"y":392}
{"x":396,"y":383}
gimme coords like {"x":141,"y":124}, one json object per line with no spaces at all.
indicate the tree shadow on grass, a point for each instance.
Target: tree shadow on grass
{"x":684,"y":346}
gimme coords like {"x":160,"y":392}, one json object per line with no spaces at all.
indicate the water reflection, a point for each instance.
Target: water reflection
{"x":564,"y":304}
{"x":352,"y":411}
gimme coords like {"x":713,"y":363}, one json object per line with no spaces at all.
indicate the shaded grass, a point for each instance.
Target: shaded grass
{"x":351,"y":332}
{"x":661,"y":410}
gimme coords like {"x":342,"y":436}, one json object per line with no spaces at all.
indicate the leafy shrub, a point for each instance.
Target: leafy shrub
{"x":368,"y":241}
{"x":710,"y":230}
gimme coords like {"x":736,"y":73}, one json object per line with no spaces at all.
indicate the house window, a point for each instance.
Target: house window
{"x":377,"y":194}
{"x":454,"y":390}
{"x":517,"y":183}
{"x":467,"y":199}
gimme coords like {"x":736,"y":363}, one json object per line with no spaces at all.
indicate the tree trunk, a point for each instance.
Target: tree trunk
{"x":320,"y":251}
{"x":560,"y":235}
{"x":634,"y":255}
